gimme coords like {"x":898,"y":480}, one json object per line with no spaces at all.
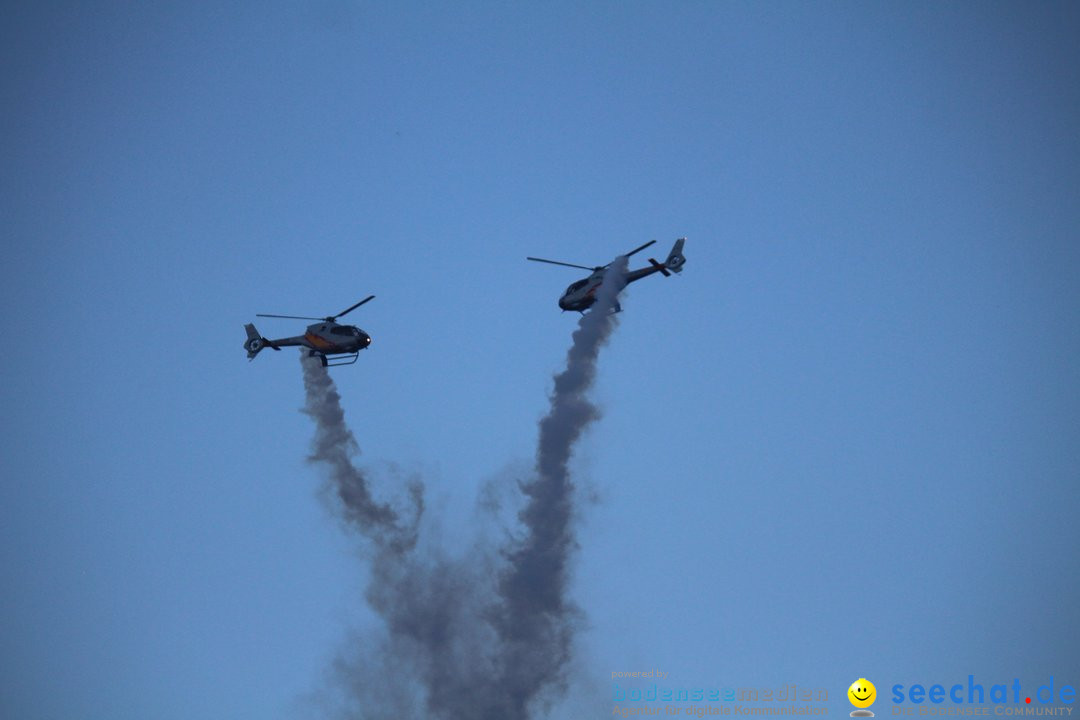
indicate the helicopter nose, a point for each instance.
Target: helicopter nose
{"x":562,"y":303}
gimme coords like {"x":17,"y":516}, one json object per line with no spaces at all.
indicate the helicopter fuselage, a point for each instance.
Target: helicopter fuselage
{"x":327,"y":339}
{"x":581,"y":295}
{"x":334,"y":339}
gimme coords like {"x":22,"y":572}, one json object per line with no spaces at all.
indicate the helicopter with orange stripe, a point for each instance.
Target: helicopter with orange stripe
{"x":334,"y":344}
{"x":581,"y":295}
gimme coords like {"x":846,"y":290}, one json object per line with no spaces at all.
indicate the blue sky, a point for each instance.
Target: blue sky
{"x":843,"y":444}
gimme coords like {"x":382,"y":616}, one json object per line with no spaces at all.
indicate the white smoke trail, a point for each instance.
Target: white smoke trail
{"x":487,"y":636}
{"x":536,"y":628}
{"x":335,"y":446}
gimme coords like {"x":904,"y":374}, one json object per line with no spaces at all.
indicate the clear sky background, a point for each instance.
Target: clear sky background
{"x":844,"y":443}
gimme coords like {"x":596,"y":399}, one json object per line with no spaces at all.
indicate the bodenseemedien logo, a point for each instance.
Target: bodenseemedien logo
{"x":862,"y":695}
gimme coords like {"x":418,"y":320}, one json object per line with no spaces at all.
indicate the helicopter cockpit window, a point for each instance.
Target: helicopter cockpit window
{"x":342,"y":331}
{"x":574,"y":287}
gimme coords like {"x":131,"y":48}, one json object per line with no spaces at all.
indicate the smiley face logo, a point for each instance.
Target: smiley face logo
{"x":862,"y":693}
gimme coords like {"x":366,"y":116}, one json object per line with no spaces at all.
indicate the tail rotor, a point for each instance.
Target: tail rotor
{"x":675,"y":259}
{"x":255,"y":342}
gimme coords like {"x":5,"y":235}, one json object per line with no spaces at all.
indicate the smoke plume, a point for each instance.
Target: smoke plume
{"x":488,"y":635}
{"x":334,"y":445}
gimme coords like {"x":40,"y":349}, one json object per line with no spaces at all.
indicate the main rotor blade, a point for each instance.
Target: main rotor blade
{"x":289,"y":317}
{"x":555,"y":262}
{"x":343,"y":312}
{"x":651,"y":242}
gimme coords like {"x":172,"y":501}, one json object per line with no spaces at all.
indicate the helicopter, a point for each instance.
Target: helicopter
{"x":334,"y":344}
{"x":581,"y":295}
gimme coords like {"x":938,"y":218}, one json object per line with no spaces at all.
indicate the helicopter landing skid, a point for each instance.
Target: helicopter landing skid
{"x":336,"y":360}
